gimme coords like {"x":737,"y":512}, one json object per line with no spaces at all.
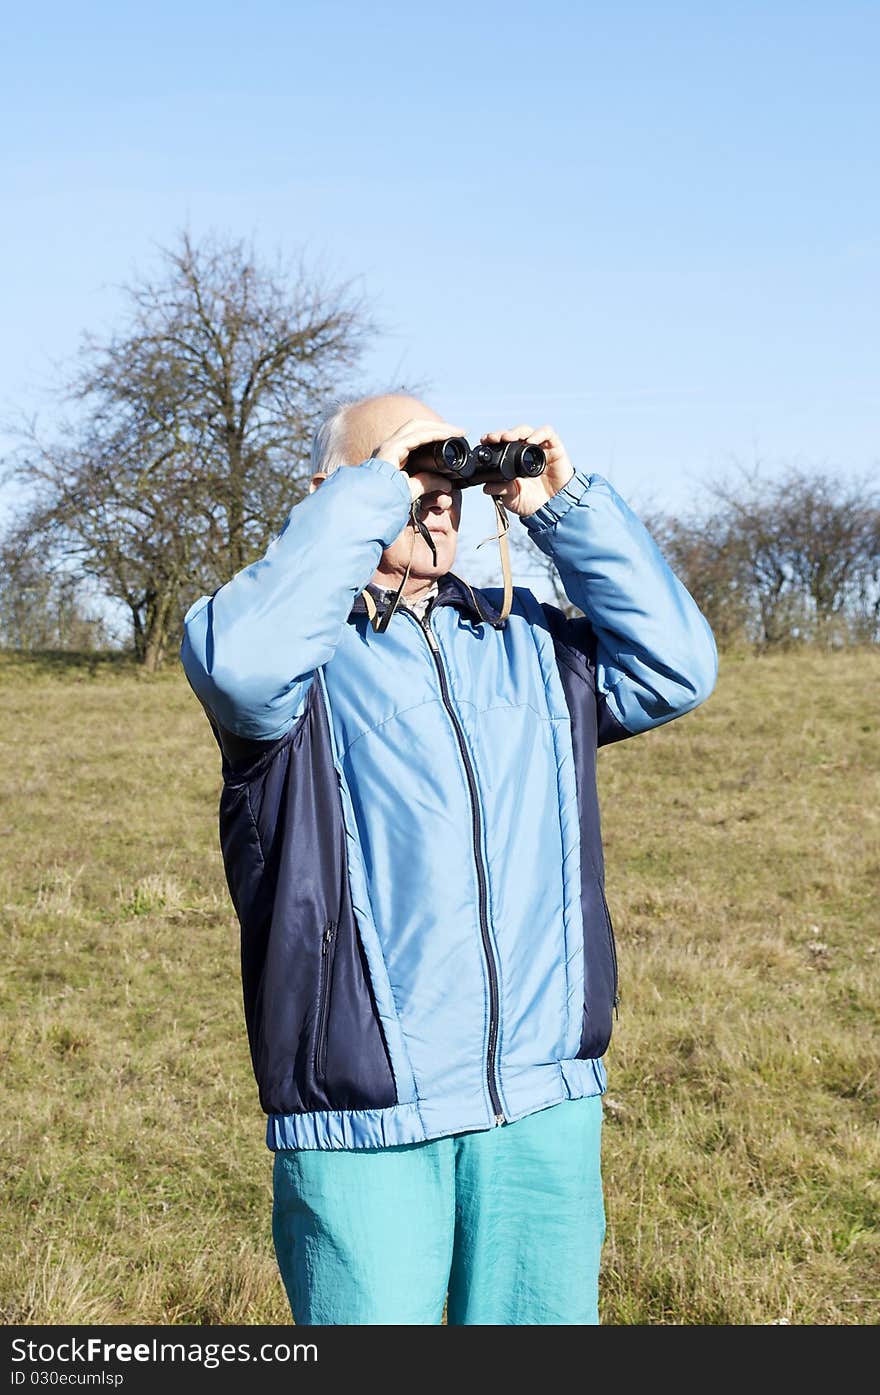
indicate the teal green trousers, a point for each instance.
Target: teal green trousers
{"x":505,"y":1225}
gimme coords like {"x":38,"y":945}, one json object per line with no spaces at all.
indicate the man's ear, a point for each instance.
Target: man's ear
{"x":317,"y":479}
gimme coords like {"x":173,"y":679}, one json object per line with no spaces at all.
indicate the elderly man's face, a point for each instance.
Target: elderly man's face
{"x":441,"y":515}
{"x":368,"y":425}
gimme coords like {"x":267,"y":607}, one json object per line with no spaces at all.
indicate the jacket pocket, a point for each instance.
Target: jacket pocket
{"x":328,"y":955}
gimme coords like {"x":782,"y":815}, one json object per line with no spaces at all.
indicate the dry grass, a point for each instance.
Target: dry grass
{"x":741,"y":1145}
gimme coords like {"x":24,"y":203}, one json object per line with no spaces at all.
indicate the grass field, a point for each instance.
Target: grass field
{"x":741,"y":1150}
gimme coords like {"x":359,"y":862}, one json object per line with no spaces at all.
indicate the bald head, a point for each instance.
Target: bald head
{"x":348,"y":436}
{"x":373,"y":420}
{"x":351,"y":433}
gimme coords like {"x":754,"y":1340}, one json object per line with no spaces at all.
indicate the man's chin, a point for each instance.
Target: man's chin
{"x":423,"y":563}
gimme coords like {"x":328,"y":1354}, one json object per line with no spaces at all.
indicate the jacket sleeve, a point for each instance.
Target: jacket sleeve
{"x":654,"y":653}
{"x":250,"y":650}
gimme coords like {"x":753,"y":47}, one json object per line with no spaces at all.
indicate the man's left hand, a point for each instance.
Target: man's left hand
{"x":524,"y":496}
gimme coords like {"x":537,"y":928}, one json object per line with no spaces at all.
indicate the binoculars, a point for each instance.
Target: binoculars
{"x":493,"y":463}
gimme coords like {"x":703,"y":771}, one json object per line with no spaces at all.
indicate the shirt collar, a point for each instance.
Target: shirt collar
{"x":451,"y":590}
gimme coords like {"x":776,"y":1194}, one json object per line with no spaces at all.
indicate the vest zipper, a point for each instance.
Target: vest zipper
{"x":425,"y":625}
{"x":328,"y":945}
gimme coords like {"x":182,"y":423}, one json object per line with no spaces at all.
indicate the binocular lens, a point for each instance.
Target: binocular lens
{"x":453,"y":454}
{"x":532,"y":460}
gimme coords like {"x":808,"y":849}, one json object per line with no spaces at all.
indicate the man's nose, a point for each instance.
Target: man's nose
{"x":440,"y":500}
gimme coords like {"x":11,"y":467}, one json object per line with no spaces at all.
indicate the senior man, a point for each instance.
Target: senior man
{"x":410,"y":830}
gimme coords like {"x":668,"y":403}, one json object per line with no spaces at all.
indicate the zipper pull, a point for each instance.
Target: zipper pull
{"x":615,"y":1003}
{"x":500,"y":1119}
{"x":329,"y":932}
{"x":432,"y":638}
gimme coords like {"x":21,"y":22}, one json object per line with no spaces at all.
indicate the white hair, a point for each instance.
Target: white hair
{"x":328,"y":442}
{"x":329,"y":449}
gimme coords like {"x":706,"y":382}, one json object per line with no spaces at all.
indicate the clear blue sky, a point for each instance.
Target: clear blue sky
{"x":653,"y":225}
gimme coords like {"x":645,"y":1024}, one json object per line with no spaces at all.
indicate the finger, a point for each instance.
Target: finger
{"x":428,"y":482}
{"x":543,"y":436}
{"x":440,"y":431}
{"x":518,"y":433}
{"x":434,"y":481}
{"x":413,"y":434}
{"x":422,"y":430}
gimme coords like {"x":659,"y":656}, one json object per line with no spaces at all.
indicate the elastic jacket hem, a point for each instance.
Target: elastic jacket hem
{"x":421,"y":1120}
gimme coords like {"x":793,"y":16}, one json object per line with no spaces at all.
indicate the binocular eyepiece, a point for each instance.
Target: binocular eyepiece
{"x":491,"y":463}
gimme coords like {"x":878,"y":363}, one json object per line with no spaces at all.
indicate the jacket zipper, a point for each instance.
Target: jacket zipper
{"x":425,"y":626}
{"x":328,"y":945}
{"x":610,"y":930}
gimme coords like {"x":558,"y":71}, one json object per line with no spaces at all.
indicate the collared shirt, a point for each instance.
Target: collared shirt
{"x":419,"y":604}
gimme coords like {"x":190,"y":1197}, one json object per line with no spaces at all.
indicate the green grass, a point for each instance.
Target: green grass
{"x":741,"y":1144}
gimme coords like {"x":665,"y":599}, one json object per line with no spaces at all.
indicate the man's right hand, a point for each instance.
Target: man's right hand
{"x":406,"y":438}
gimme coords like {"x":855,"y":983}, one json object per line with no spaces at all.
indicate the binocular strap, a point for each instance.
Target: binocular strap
{"x":380,"y":623}
{"x":504,"y":549}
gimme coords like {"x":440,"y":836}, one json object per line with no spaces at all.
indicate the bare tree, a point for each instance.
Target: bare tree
{"x":805,"y":544}
{"x":189,"y":437}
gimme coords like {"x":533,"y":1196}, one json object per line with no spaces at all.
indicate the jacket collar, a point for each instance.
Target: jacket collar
{"x":451,"y":590}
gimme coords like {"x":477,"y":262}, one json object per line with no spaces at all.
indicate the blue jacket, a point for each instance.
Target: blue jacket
{"x":409,"y":819}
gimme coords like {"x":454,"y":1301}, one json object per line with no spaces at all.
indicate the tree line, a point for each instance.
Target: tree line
{"x":780,"y":560}
{"x":182,"y":440}
{"x":792,"y":559}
